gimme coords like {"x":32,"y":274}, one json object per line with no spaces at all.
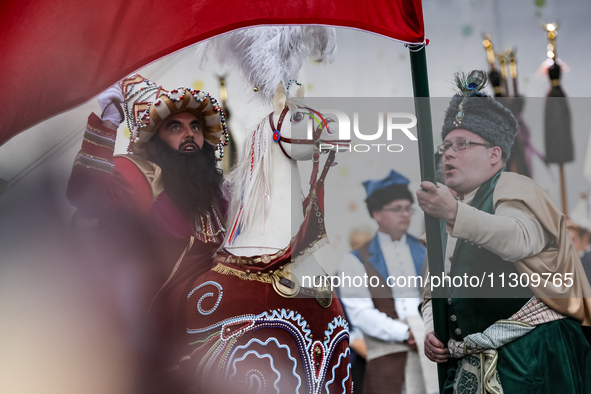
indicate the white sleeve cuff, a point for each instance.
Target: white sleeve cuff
{"x":399,"y":331}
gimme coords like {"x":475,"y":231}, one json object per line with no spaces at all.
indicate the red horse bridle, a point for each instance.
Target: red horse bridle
{"x":316,"y":141}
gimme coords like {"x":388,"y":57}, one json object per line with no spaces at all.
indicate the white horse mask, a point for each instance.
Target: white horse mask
{"x":300,"y":137}
{"x":266,"y":211}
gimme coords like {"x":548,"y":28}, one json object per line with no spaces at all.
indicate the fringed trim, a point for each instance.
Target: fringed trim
{"x":316,"y":245}
{"x":266,"y":259}
{"x":268,"y":277}
{"x":264,"y":277}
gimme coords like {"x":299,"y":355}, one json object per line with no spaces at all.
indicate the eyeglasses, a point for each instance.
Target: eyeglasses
{"x":410,"y":210}
{"x":458,"y":146}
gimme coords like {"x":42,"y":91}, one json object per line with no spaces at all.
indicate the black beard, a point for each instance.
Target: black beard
{"x":191,"y":180}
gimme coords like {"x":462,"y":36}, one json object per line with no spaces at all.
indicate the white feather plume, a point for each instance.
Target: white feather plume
{"x":267,"y":55}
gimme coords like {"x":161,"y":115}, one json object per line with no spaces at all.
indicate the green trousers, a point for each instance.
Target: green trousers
{"x":555,"y":358}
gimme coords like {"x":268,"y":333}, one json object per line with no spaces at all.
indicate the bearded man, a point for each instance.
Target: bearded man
{"x":163,"y":200}
{"x":503,"y":225}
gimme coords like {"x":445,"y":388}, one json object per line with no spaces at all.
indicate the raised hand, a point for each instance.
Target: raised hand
{"x":110,"y":102}
{"x":437,"y":201}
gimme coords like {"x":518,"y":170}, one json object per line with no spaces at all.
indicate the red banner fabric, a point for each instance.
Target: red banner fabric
{"x":57,"y":54}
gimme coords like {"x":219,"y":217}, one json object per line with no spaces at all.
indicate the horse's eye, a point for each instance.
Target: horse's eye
{"x":297,"y":117}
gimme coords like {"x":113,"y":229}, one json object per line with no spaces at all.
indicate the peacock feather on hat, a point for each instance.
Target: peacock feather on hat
{"x":468,"y":84}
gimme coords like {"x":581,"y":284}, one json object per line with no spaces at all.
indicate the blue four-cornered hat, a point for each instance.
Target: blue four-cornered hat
{"x":393,"y":178}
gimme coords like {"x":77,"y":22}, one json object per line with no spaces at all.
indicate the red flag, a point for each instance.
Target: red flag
{"x":60,"y":53}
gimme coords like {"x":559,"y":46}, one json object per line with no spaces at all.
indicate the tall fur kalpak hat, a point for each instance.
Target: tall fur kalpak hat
{"x":473,"y":110}
{"x":147,"y":104}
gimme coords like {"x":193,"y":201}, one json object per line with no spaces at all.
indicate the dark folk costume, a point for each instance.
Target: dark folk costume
{"x":532,"y":340}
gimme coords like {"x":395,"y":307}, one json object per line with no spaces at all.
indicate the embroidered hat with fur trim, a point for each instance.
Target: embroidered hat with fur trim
{"x":473,"y":110}
{"x":147,"y":104}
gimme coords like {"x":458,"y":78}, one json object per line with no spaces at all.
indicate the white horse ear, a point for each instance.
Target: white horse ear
{"x":301,"y":91}
{"x":279,"y":99}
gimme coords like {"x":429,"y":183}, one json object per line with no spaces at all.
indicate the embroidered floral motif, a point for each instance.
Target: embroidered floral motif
{"x":223,"y":355}
{"x":467,"y":384}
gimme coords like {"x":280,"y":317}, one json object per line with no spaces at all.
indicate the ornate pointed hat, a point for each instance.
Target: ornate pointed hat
{"x":147,"y":104}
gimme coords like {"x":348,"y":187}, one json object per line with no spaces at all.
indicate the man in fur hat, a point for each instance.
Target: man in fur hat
{"x":381,"y":312}
{"x":162,"y":204}
{"x":503,"y":225}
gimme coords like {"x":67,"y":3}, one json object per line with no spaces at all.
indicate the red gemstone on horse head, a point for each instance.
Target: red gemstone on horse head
{"x":276,"y":136}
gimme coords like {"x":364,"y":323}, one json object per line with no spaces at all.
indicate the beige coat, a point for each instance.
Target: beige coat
{"x":557,"y":257}
{"x":560,"y":256}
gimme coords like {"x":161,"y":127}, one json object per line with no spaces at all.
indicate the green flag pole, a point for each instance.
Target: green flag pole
{"x":420,"y":83}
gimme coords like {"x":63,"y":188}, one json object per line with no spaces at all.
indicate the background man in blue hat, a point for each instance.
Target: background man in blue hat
{"x":380,"y":311}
